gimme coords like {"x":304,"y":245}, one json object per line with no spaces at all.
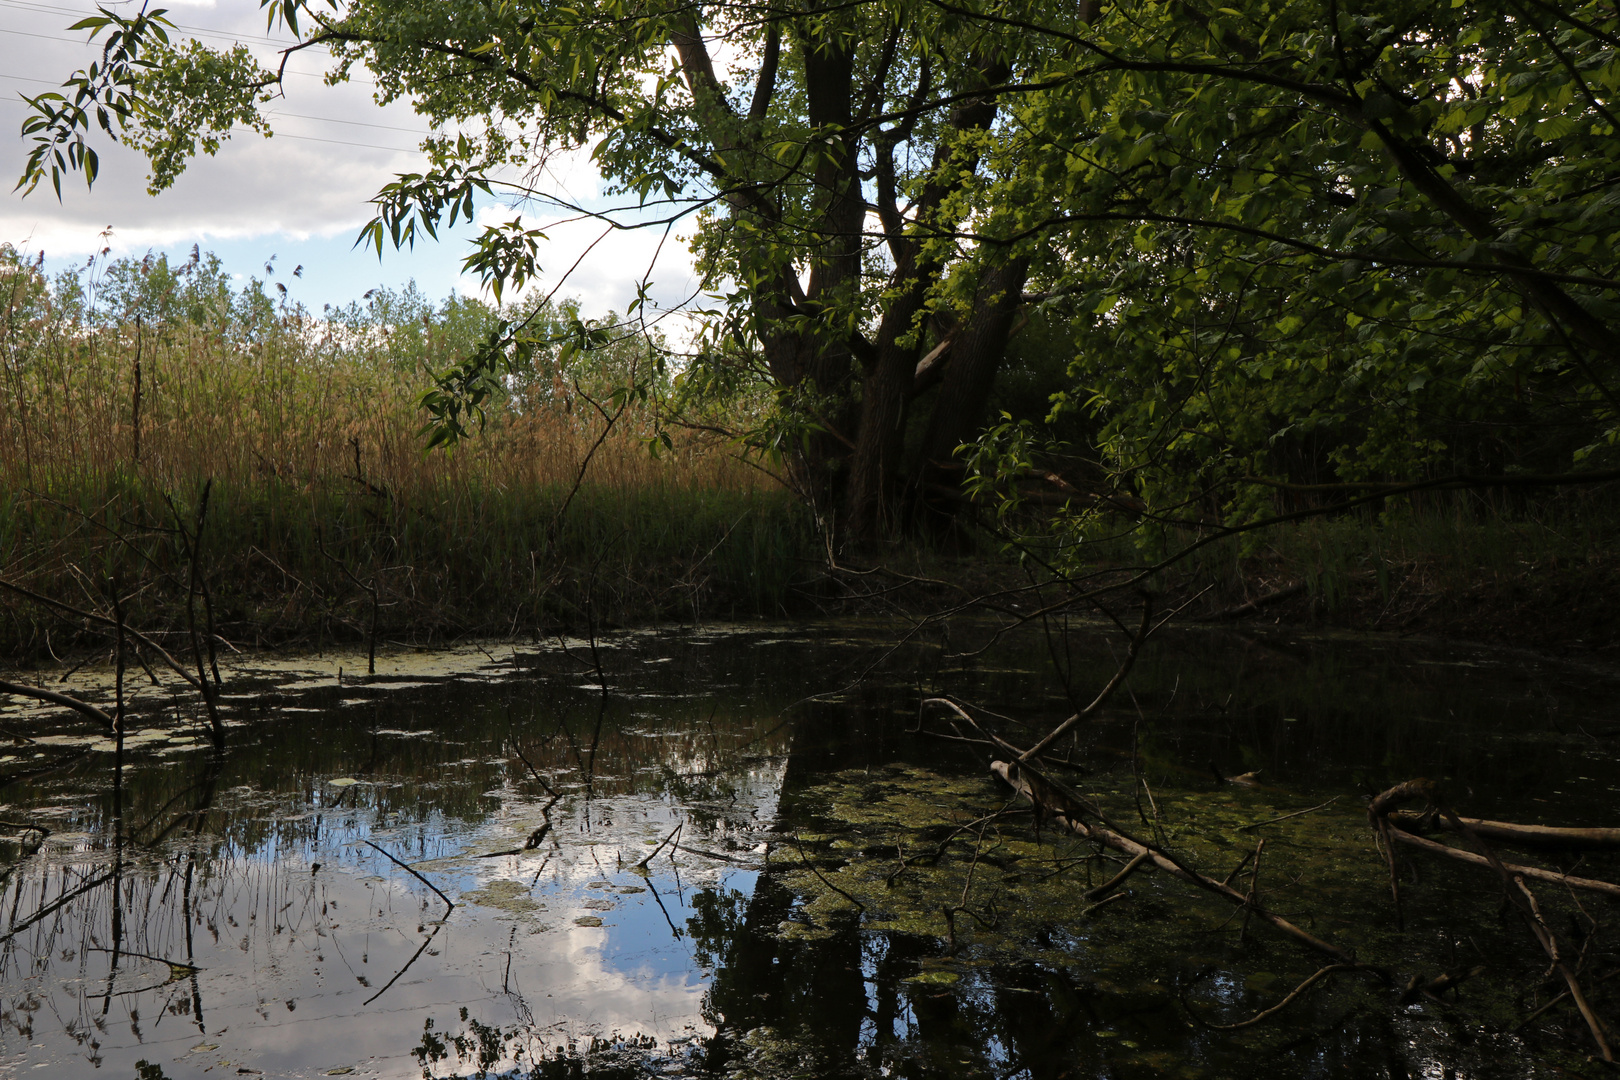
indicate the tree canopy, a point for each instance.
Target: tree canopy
{"x":1275,"y":243}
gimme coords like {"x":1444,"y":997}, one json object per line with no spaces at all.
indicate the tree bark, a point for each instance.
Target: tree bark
{"x":976,"y":356}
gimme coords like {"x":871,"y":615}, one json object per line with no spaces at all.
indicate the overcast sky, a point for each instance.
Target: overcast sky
{"x":300,"y":196}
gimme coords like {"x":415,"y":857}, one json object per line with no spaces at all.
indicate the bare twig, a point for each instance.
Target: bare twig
{"x":103,"y":620}
{"x":1112,"y":883}
{"x":449,"y":904}
{"x":1254,"y":889}
{"x":1137,"y":640}
{"x":1266,"y":1014}
{"x":1295,"y":814}
{"x":654,"y":853}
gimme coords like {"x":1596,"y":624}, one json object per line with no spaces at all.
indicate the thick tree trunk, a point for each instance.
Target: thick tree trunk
{"x":884,"y":393}
{"x":976,"y":355}
{"x":816,"y":362}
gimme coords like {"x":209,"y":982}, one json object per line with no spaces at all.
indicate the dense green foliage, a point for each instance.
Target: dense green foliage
{"x":1378,"y":245}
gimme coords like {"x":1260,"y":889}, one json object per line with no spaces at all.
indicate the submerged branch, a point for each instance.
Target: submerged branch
{"x":40,"y":694}
{"x":1266,"y":1014}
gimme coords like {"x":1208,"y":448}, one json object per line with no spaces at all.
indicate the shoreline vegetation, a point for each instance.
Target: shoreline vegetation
{"x":271,"y":463}
{"x":250,"y":469}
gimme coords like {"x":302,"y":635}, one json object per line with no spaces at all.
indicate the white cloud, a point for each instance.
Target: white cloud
{"x":334,"y":148}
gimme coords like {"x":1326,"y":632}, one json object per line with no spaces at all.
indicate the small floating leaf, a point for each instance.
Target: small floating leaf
{"x":343,"y":781}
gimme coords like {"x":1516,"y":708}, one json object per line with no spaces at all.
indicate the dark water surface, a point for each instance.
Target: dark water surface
{"x":284,"y":910}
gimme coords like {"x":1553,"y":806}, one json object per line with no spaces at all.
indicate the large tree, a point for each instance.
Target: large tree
{"x":826,"y":149}
{"x":1336,"y":251}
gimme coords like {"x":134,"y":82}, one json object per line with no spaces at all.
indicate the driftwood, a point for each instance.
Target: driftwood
{"x":1608,"y":888}
{"x":1507,"y":832}
{"x":1380,"y":812}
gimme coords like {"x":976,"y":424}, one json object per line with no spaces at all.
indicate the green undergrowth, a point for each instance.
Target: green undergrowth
{"x":287,"y":563}
{"x":1540,"y":573}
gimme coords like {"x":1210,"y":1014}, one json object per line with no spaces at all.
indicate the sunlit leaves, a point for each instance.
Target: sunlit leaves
{"x":206,"y":93}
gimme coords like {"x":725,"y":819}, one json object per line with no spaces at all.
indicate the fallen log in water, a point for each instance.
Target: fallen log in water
{"x":1382,"y":809}
{"x":1507,"y":832}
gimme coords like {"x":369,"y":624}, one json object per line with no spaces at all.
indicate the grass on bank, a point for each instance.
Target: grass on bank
{"x":1542,"y":572}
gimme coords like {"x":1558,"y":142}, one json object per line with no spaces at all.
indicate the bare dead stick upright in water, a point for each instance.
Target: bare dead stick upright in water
{"x":193,"y":543}
{"x":370,"y":588}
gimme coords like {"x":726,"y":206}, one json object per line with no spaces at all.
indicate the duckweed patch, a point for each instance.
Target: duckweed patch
{"x":511,"y":897}
{"x":905,"y":852}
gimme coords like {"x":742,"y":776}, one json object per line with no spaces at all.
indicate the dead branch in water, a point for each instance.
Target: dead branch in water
{"x":1508,"y":832}
{"x":1064,"y":809}
{"x":1112,"y":883}
{"x":1517,"y":892}
{"x":1295,"y":814}
{"x":1266,"y":1014}
{"x":1137,"y":640}
{"x":84,"y":708}
{"x":192,"y":544}
{"x":654,"y":853}
{"x":449,"y":904}
{"x":1381,"y":813}
{"x":107,"y":621}
{"x":1056,"y":803}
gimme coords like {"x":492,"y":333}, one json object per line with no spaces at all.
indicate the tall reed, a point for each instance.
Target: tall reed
{"x":322,"y":491}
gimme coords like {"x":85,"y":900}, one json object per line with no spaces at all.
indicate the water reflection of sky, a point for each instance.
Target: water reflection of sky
{"x":266,"y":934}
{"x":295,"y":962}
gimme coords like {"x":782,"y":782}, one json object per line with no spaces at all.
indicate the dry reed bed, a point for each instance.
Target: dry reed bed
{"x":320,"y":493}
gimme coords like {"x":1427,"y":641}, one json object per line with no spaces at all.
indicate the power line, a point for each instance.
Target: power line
{"x":258,"y":39}
{"x":283,"y":134}
{"x":268,"y":115}
{"x":43,"y":37}
{"x":341,"y":142}
{"x":195,"y":31}
{"x":351,"y":123}
{"x":271,"y":116}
